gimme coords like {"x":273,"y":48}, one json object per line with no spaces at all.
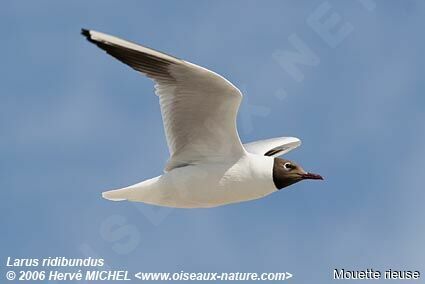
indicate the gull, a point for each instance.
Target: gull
{"x":208,"y":165}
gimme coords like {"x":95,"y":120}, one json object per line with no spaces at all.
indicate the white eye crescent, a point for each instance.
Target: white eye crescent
{"x":288,"y":166}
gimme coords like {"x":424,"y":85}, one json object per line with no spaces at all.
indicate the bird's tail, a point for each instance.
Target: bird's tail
{"x":116,"y":195}
{"x":138,"y":192}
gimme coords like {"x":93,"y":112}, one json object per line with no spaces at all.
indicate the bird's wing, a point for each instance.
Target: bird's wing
{"x":273,"y":147}
{"x":198,"y":106}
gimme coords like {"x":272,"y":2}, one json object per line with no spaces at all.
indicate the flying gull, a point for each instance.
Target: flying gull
{"x":208,"y":164}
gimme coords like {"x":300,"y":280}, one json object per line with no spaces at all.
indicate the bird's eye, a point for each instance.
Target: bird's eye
{"x":288,"y":166}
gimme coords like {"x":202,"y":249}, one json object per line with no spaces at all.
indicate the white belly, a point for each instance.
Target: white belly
{"x":207,"y":185}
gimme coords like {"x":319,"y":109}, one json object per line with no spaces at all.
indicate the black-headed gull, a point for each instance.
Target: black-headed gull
{"x":208,"y":165}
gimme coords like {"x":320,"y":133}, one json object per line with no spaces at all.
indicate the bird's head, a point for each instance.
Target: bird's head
{"x":286,"y":172}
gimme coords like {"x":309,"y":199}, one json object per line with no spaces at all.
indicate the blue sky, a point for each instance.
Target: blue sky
{"x":75,"y":122}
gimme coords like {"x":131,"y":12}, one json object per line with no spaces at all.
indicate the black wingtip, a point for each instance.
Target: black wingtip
{"x":87,"y":34}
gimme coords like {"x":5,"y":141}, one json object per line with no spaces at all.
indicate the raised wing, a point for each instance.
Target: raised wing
{"x":273,"y":147}
{"x":198,"y":106}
